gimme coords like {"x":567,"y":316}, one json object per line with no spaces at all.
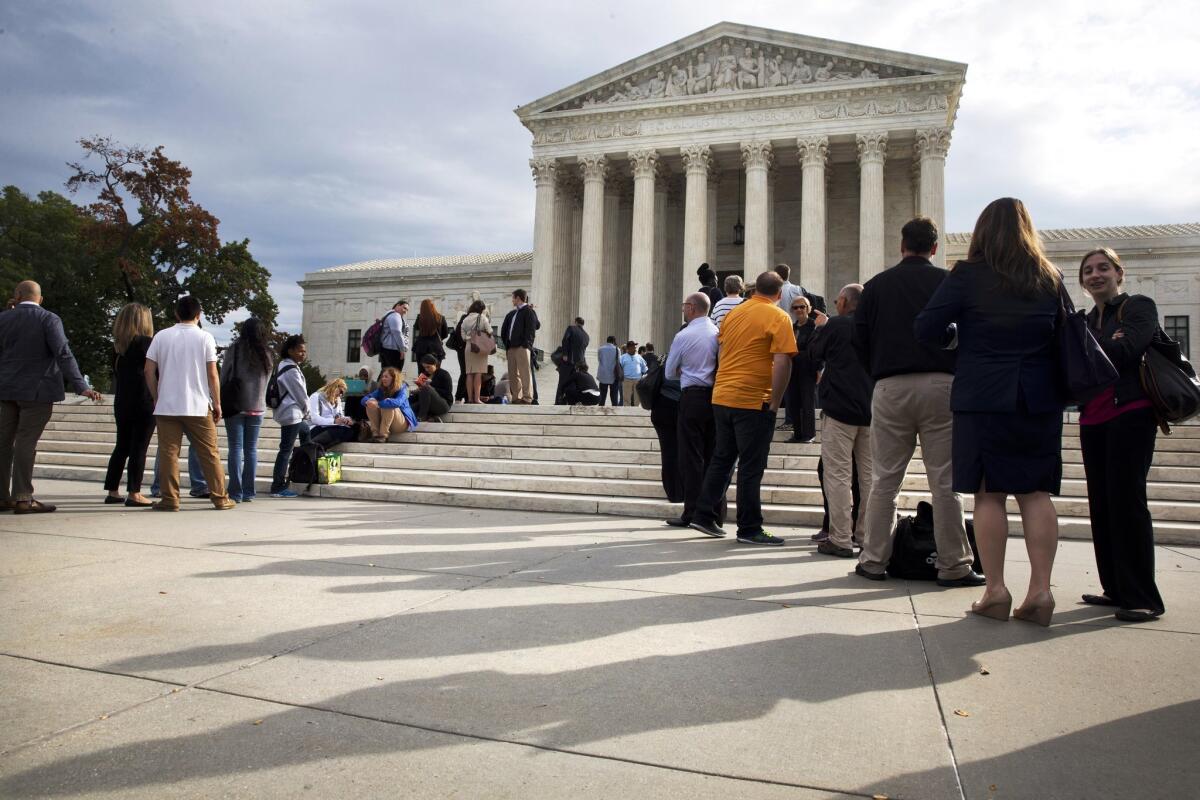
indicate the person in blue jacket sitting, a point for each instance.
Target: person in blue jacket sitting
{"x":388,"y":410}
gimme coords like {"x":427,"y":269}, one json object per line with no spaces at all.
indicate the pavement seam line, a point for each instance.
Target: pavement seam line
{"x":534,"y":746}
{"x":937,"y":696}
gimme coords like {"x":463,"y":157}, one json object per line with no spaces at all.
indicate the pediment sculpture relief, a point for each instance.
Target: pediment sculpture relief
{"x":734,"y":65}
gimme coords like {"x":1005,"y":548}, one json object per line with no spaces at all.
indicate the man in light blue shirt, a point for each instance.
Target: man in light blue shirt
{"x":606,"y":371}
{"x":693,"y":359}
{"x":393,"y":339}
{"x":633,"y":367}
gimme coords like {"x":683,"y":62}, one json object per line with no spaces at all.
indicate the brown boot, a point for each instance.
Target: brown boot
{"x":32,"y":507}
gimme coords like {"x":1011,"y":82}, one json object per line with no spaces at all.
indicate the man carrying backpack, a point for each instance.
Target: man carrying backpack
{"x":393,"y":338}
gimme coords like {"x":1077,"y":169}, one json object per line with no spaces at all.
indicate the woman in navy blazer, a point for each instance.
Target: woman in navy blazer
{"x":1006,"y":399}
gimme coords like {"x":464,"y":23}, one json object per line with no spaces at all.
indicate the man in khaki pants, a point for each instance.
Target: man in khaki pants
{"x":181,"y":373}
{"x":517,"y":333}
{"x":912,"y":399}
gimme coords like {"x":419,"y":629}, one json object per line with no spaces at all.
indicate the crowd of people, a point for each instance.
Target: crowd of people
{"x":962,"y":361}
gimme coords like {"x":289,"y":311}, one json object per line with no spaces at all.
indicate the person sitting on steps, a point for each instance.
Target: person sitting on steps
{"x":388,"y":410}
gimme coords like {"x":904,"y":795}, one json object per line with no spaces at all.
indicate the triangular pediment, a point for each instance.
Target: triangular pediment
{"x":730,"y":60}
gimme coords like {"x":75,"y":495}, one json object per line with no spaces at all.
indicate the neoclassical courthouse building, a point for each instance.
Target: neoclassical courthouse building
{"x":737,"y":146}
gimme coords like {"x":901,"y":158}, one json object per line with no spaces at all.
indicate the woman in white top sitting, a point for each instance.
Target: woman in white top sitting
{"x":327,"y":411}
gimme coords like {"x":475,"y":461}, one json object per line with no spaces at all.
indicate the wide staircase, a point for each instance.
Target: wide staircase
{"x":597,"y":461}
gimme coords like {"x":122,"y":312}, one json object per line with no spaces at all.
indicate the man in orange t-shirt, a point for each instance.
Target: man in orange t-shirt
{"x":757,"y":345}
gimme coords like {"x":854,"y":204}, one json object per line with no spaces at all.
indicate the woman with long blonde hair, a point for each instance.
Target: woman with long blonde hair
{"x":1007,"y":438}
{"x":327,"y":410}
{"x":133,"y":328}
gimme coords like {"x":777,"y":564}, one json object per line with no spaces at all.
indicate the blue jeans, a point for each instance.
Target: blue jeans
{"x":195,"y":473}
{"x":287,"y":441}
{"x":242,"y":431}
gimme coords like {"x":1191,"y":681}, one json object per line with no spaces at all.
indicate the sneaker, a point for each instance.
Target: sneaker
{"x":871,"y":576}
{"x":820,"y":536}
{"x":225,"y":506}
{"x":830,"y":549}
{"x":200,"y":495}
{"x":762,"y":537}
{"x":708,"y":528}
{"x":284,"y":493}
{"x":246,"y":500}
{"x":677,"y":522}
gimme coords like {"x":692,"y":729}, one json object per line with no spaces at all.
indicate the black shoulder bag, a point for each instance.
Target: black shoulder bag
{"x":231,"y":388}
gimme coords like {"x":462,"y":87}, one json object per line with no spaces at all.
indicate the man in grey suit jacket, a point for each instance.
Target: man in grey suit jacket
{"x":34,"y":358}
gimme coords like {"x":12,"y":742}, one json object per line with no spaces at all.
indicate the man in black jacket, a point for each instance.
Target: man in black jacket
{"x":912,"y":398}
{"x":517,"y":333}
{"x":574,"y":351}
{"x":845,"y":390}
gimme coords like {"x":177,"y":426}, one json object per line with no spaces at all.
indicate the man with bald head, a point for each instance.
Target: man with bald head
{"x":692,"y":360}
{"x":34,"y":359}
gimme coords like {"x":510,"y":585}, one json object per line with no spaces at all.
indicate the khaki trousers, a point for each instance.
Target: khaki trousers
{"x":903,"y":408}
{"x":520,"y":375}
{"x":202,"y":432}
{"x":629,"y":390}
{"x":21,"y":425}
{"x":386,"y":422}
{"x":841,"y":444}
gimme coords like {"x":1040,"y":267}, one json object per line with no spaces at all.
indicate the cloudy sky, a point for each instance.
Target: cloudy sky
{"x":335,"y":132}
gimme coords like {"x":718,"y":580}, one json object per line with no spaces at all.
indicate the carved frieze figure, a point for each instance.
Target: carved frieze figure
{"x":801,"y":72}
{"x":678,"y":84}
{"x":774,"y":70}
{"x":824,"y":73}
{"x":748,"y":70}
{"x":658,"y":85}
{"x":727,"y":65}
{"x":700,"y":80}
{"x":867,"y":74}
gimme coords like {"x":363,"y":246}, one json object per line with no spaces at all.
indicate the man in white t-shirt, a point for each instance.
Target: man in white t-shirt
{"x":181,"y":372}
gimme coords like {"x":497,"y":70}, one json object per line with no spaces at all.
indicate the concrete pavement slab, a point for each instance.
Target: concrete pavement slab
{"x":1072,"y":712}
{"x":203,"y":744}
{"x":41,"y":699}
{"x":799,"y":695}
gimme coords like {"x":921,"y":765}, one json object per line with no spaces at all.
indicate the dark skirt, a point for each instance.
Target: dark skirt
{"x":1009,"y":453}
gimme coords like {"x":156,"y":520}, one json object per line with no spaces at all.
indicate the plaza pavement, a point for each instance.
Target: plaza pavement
{"x":329,"y":648}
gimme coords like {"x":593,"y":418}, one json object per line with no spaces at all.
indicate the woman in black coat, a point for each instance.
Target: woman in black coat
{"x":431,"y":331}
{"x":1117,"y":430}
{"x":133,"y":407}
{"x":802,"y":388}
{"x":1006,"y":400}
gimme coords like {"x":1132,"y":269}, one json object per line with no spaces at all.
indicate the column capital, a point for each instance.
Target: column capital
{"x":697,"y":158}
{"x":872,"y":147}
{"x":593,"y":167}
{"x":932,"y":142}
{"x":544,"y":170}
{"x":814,"y":150}
{"x":757,"y":155}
{"x":644,"y":163}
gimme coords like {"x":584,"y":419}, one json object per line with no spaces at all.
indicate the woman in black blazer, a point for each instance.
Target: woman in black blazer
{"x":1116,"y":434}
{"x":133,"y":407}
{"x":1005,"y":398}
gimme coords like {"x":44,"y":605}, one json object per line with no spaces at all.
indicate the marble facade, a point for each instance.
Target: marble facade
{"x":642,"y":172}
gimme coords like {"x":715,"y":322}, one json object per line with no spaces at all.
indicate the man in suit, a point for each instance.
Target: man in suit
{"x":912,"y":385}
{"x":574,"y":351}
{"x":34,"y":359}
{"x":517,"y":333}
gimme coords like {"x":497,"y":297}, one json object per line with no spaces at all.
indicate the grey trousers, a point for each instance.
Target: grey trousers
{"x":21,"y":425}
{"x":903,"y":409}
{"x":841,"y":446}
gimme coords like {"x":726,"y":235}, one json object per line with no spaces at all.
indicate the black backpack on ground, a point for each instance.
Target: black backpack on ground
{"x":303,"y":467}
{"x":914,"y":550}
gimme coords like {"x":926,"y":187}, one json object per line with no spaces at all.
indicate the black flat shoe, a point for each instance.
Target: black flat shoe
{"x":1136,"y":615}
{"x":1098,"y":600}
{"x":970,"y":579}
{"x":110,"y":500}
{"x":134,"y":504}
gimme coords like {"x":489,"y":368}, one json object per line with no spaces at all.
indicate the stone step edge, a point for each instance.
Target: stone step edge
{"x":1177,"y":533}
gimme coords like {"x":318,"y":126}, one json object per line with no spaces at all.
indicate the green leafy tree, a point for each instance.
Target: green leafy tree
{"x":41,"y":239}
{"x":167,"y":245}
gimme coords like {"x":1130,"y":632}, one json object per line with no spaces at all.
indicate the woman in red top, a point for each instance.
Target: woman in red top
{"x":1116,"y":433}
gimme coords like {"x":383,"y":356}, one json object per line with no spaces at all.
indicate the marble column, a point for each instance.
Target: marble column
{"x":932,"y":146}
{"x":714,"y":185}
{"x":641,"y":258}
{"x":814,"y":154}
{"x":611,"y":294}
{"x":544,"y":178}
{"x":625,"y":243}
{"x":757,"y":158}
{"x":772,"y":174}
{"x":696,"y":160}
{"x":663,"y":286}
{"x":556,"y":313}
{"x":593,"y":169}
{"x":872,"y":151}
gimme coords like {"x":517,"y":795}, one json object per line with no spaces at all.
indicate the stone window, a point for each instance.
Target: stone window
{"x":353,"y":345}
{"x":1177,"y":328}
